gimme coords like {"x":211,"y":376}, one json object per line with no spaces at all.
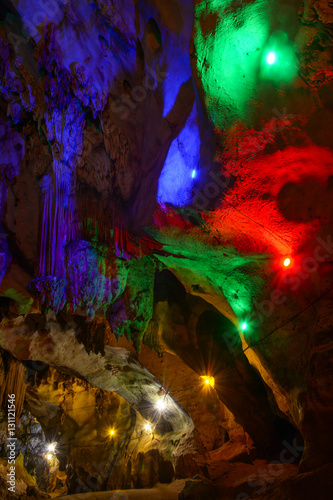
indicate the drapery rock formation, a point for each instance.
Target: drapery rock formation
{"x":166,"y":247}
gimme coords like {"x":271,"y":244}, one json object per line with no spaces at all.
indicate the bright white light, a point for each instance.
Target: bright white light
{"x":51,"y":447}
{"x":148,"y":427}
{"x":194,"y":173}
{"x":271,"y":58}
{"x":49,"y":456}
{"x":244,"y":326}
{"x":161,"y":405}
{"x":208,"y":380}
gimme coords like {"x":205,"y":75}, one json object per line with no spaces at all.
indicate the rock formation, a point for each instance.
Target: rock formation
{"x":166,"y":248}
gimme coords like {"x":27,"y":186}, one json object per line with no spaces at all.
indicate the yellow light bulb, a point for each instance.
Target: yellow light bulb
{"x":208,"y":380}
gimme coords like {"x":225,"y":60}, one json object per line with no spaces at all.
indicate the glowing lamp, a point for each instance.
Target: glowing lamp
{"x":51,"y":447}
{"x":208,"y":380}
{"x":271,"y":58}
{"x":161,"y":405}
{"x":148,"y":427}
{"x":244,"y":326}
{"x":193,"y":174}
{"x":111,"y":432}
{"x":286,"y":262}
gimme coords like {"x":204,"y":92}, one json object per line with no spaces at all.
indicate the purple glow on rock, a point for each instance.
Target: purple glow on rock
{"x":11,"y":155}
{"x":50,"y":291}
{"x":79,"y":27}
{"x":176,"y":180}
{"x":176,"y":46}
{"x":59,"y":226}
{"x":88,"y":289}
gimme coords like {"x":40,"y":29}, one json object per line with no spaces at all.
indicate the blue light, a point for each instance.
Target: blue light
{"x":175,"y":185}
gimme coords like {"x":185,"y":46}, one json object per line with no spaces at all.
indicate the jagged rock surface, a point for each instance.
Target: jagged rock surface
{"x":154,"y":174}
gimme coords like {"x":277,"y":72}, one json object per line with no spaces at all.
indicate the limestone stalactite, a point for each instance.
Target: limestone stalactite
{"x":166,"y":219}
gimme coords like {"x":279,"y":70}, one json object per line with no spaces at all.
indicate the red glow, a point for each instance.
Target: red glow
{"x":267,"y":210}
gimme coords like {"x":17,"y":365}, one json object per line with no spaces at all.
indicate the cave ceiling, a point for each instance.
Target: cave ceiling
{"x":166,"y":246}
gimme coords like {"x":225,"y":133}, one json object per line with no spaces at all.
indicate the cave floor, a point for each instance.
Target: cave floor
{"x":231,"y":479}
{"x":159,"y":492}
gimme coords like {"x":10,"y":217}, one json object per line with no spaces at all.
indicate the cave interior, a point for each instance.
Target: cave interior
{"x":166,"y":249}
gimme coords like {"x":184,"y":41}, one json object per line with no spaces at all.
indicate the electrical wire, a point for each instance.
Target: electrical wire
{"x":288,"y":321}
{"x":279,"y":238}
{"x":182,"y":390}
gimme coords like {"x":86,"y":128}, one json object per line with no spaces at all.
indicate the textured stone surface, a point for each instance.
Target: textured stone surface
{"x":155,"y":172}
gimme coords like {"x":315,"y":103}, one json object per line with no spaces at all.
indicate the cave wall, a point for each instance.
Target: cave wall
{"x":156,"y":171}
